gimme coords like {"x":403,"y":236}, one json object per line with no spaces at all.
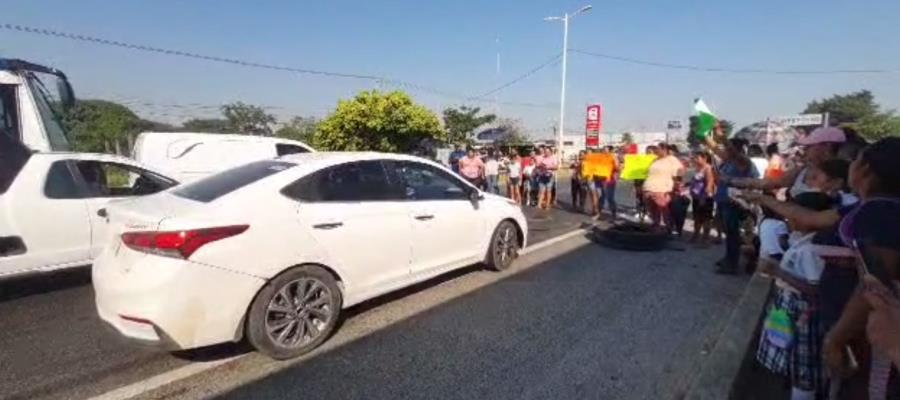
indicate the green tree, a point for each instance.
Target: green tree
{"x":878,"y":126}
{"x":207,"y":125}
{"x":102,"y":126}
{"x":299,"y":128}
{"x":627,"y":138}
{"x":859,"y":111}
{"x":461,"y":123}
{"x":379,"y":121}
{"x":249,"y":119}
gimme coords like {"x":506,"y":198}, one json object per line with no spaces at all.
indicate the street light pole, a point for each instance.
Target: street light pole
{"x":562,"y":92}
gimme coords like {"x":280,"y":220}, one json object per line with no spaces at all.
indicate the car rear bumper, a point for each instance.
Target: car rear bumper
{"x":171,"y":303}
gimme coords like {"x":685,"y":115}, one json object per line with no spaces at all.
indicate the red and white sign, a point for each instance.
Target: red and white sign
{"x":594,"y":115}
{"x":593,"y":126}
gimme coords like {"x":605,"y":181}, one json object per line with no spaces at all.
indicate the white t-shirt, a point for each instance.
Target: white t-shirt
{"x":801,"y":260}
{"x":515,"y":169}
{"x":770,"y":233}
{"x":492,"y":167}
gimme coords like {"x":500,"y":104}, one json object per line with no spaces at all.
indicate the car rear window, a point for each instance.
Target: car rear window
{"x":218,"y":185}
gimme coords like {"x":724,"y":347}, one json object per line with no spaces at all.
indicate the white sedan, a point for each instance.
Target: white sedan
{"x":273,"y":250}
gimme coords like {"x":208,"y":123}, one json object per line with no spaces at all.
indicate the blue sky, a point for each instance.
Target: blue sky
{"x":451,"y":45}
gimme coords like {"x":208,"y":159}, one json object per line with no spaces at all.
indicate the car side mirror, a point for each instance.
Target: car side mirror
{"x":475,"y":196}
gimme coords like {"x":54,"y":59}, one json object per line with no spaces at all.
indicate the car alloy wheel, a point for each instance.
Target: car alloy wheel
{"x":294,"y":312}
{"x":298,"y":313}
{"x":504,"y":246}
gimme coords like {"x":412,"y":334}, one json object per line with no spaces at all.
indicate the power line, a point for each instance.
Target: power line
{"x":733,"y":70}
{"x":530,"y":72}
{"x":83,"y":38}
{"x":251,"y":64}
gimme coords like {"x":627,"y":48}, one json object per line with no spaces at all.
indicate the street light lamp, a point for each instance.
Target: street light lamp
{"x":562,"y":95}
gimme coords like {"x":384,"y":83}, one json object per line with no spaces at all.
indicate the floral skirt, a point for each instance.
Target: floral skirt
{"x":801,"y":360}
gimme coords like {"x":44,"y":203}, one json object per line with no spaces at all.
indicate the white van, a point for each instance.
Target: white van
{"x":188,"y":156}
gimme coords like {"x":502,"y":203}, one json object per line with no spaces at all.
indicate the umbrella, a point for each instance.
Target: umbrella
{"x":765,"y":133}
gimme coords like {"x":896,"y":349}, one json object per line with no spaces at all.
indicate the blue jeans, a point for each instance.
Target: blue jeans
{"x":491,"y":184}
{"x":546,"y":182}
{"x":731,"y":221}
{"x":608,"y":191}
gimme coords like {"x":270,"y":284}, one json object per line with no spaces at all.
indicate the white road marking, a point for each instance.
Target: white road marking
{"x":165,"y":378}
{"x":551,"y":241}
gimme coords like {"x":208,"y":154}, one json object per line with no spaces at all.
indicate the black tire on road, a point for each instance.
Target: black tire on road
{"x":294,"y":312}
{"x":631,"y":236}
{"x":504,"y":248}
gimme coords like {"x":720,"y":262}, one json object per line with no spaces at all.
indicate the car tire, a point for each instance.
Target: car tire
{"x":504,"y":246}
{"x":294,"y":312}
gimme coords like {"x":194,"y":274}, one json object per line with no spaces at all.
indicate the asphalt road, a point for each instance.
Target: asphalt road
{"x":571,"y":321}
{"x":53,"y":345}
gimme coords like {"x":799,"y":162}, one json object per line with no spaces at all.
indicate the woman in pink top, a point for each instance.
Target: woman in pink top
{"x":471,"y":167}
{"x":546,"y":167}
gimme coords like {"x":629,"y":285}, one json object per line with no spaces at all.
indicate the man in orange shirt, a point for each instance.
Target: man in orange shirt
{"x":608,"y":189}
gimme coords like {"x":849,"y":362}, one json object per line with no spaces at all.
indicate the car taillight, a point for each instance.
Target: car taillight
{"x":179,"y":244}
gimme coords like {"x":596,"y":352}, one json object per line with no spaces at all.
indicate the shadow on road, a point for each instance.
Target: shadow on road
{"x":43,"y":282}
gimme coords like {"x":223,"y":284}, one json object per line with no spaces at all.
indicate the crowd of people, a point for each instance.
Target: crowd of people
{"x":826,"y":228}
{"x":530,"y":178}
{"x":822,"y":218}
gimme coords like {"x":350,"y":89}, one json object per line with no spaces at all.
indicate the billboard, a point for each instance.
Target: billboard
{"x":799,"y":120}
{"x":593,"y":125}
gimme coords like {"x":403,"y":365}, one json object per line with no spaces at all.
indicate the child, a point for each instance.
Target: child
{"x":514,"y":167}
{"x":791,"y":340}
{"x":773,"y":237}
{"x":528,"y":165}
{"x":830,"y":177}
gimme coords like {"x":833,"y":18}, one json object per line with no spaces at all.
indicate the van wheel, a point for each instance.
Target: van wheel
{"x":504,"y":248}
{"x":294,"y":313}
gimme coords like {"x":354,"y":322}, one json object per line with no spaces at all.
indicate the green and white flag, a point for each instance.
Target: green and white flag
{"x":706,"y":120}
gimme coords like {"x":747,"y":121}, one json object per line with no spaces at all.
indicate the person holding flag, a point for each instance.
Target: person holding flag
{"x":734,"y":165}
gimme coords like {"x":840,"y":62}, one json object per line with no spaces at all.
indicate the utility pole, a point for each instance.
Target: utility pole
{"x":562,"y":92}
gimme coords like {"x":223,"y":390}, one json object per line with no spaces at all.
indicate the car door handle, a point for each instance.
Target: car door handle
{"x":102,"y":213}
{"x":425,"y":217}
{"x":327,"y":226}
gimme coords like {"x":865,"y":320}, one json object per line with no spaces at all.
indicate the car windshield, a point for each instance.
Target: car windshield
{"x":218,"y":185}
{"x":50,"y":106}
